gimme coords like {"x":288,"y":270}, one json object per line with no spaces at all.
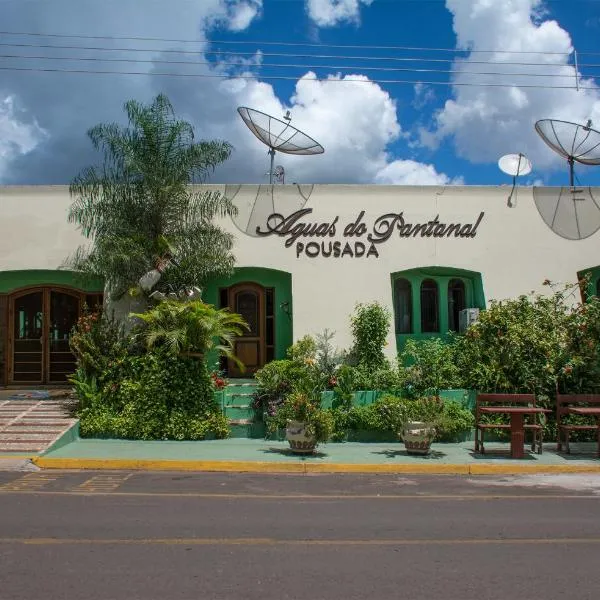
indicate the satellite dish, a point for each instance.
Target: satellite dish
{"x":278,"y":135}
{"x":514,"y":165}
{"x":576,"y":143}
{"x":255,"y":203}
{"x":572,"y":214}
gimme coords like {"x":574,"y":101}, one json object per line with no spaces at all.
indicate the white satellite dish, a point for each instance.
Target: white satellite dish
{"x":573,"y":212}
{"x":278,"y":136}
{"x":514,"y":165}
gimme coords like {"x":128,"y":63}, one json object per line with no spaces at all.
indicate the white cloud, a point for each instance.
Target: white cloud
{"x":241,"y":14}
{"x":488,"y":122}
{"x":328,"y":13}
{"x":17,"y":137}
{"x":410,"y":172}
{"x":356,"y":121}
{"x":424,"y":95}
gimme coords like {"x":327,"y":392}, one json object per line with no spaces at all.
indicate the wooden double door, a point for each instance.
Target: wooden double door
{"x":40,"y":321}
{"x":255,"y":304}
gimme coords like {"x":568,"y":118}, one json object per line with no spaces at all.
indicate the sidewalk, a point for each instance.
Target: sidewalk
{"x":247,"y":455}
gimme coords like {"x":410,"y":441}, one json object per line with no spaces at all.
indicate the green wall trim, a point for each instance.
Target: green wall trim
{"x":280,"y":281}
{"x":13,"y":280}
{"x":475,"y":297}
{"x":594,"y":283}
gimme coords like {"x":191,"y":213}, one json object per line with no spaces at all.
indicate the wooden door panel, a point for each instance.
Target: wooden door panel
{"x":248,"y":351}
{"x":27,"y":338}
{"x":248,"y":300}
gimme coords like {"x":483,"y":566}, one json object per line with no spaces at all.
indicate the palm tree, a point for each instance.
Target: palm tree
{"x":139,"y":206}
{"x":191,"y":328}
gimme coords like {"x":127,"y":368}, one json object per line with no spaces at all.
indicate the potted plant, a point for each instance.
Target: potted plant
{"x":419,"y":429}
{"x":306,"y":424}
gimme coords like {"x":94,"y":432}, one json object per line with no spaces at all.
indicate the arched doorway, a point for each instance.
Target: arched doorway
{"x":40,"y":321}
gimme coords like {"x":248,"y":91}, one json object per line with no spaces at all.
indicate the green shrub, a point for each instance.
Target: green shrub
{"x":155,"y":396}
{"x":370,"y":325}
{"x":533,"y":343}
{"x":428,"y":366}
{"x":390,"y":413}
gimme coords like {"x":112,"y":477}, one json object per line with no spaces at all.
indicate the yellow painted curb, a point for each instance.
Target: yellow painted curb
{"x":305,"y":467}
{"x":166,"y":465}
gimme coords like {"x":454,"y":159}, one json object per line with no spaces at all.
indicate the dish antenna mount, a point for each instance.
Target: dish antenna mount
{"x":514,"y":165}
{"x":278,"y":135}
{"x":576,"y":143}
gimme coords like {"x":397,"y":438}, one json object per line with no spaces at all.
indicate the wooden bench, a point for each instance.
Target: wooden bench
{"x":566,"y":404}
{"x":517,"y":400}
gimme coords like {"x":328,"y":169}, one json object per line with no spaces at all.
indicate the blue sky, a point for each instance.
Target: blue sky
{"x":373,"y":132}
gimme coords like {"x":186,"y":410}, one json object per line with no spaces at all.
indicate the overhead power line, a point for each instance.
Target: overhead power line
{"x":294,"y":66}
{"x":292,"y":78}
{"x":277,"y":54}
{"x":272,"y":43}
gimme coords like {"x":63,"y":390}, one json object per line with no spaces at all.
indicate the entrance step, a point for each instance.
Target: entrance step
{"x":236,"y":400}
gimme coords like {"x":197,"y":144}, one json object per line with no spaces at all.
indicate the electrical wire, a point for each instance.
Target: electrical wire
{"x":271,"y":43}
{"x":275,"y":54}
{"x":292,"y":78}
{"x":294,"y":66}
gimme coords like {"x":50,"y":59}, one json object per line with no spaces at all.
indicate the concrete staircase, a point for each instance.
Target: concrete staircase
{"x":30,"y":425}
{"x":237,"y":407}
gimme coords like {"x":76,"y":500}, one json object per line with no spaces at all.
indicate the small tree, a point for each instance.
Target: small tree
{"x":139,"y":208}
{"x":370,"y":326}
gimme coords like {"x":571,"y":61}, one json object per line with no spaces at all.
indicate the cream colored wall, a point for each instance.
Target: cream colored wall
{"x":513,"y":249}
{"x":34,"y":233}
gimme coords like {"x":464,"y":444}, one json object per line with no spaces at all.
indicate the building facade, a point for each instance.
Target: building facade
{"x":306,"y":255}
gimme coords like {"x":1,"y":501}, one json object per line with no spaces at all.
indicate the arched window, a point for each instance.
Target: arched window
{"x":429,"y":307}
{"x":456,"y":302}
{"x":403,"y":293}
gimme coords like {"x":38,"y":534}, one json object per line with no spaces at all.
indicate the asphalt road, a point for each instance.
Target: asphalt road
{"x":172,"y":536}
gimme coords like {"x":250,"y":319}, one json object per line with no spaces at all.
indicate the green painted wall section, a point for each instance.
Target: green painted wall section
{"x":593,"y":284}
{"x":475,"y":297}
{"x":13,"y":280}
{"x":270,"y":278}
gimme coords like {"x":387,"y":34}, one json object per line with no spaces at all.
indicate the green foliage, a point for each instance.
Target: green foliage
{"x":86,"y":388}
{"x":351,"y":379}
{"x":531,"y":344}
{"x":303,"y":350}
{"x":390,"y":413}
{"x":299,"y":406}
{"x":191,"y":327}
{"x":154,"y":396}
{"x":138,"y":207}
{"x":370,"y":326}
{"x":431,"y":365}
{"x":95,"y":341}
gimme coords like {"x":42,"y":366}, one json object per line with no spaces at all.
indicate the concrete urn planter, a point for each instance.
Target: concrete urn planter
{"x":417,"y":437}
{"x":300,"y":441}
